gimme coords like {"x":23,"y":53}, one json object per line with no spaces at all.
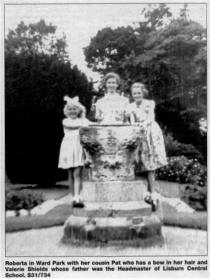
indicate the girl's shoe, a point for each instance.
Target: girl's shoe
{"x":148,"y":199}
{"x":154,"y":204}
{"x":152,"y":201}
{"x":77,"y":203}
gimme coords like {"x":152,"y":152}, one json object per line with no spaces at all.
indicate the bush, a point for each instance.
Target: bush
{"x":22,"y":199}
{"x":36,"y":118}
{"x":175,"y":148}
{"x":183,"y":170}
{"x":195,"y":196}
{"x":13,"y":201}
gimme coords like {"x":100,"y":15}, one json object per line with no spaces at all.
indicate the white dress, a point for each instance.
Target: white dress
{"x":111,"y":109}
{"x":71,"y":150}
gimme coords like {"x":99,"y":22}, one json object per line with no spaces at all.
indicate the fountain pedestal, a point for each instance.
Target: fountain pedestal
{"x":114,"y":210}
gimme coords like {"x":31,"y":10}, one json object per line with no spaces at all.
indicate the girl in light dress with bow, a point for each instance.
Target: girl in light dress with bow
{"x":72,"y":155}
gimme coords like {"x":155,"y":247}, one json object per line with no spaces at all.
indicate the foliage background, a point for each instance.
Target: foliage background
{"x":167,"y":54}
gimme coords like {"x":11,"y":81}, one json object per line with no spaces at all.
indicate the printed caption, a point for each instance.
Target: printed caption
{"x":49,"y":268}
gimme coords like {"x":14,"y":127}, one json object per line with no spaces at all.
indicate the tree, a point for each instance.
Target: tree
{"x":184,"y":12}
{"x":109,"y":48}
{"x":36,"y":80}
{"x":169,"y":56}
{"x":36,"y":38}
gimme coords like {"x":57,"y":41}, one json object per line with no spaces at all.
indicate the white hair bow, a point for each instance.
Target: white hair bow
{"x":72,"y":101}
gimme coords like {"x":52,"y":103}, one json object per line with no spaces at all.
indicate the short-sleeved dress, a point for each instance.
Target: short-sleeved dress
{"x":111,"y":109}
{"x":152,"y":148}
{"x":71,"y":151}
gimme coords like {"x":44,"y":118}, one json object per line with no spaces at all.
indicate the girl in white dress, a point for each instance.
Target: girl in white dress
{"x":111,"y":109}
{"x":71,"y":152}
{"x":152,"y":154}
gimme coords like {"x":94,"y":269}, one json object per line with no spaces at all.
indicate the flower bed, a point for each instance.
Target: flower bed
{"x":183,"y":170}
{"x":187,"y":171}
{"x":23,"y":199}
{"x":196,"y":197}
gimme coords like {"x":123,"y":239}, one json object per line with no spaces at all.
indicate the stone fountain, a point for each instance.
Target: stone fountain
{"x":115,"y":211}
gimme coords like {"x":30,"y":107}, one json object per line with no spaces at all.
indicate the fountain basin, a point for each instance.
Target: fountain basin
{"x":111,"y":150}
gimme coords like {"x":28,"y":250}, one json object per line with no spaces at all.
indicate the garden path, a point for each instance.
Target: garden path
{"x":47,"y":242}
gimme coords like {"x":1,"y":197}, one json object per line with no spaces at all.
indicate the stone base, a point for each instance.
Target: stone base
{"x":136,"y":230}
{"x":114,"y":191}
{"x":114,"y":209}
{"x":114,"y":214}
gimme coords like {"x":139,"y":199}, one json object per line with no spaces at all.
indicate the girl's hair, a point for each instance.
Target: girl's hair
{"x":111,"y":75}
{"x":74,"y":102}
{"x":141,"y":86}
{"x":82,"y":112}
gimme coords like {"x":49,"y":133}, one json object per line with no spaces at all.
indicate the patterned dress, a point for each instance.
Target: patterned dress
{"x":71,"y":151}
{"x":111,"y":109}
{"x":152,"y":153}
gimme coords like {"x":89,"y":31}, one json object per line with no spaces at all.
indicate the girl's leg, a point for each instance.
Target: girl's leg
{"x":151,"y":181}
{"x":151,"y":189}
{"x":77,"y":181}
{"x":71,"y":180}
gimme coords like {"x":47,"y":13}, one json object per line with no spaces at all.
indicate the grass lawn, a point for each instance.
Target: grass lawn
{"x":60,"y":213}
{"x":55,"y":217}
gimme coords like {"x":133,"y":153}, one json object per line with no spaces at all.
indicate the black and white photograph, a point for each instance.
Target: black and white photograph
{"x":105,"y":131}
